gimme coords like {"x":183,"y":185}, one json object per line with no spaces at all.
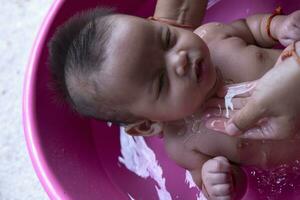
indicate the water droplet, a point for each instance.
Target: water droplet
{"x":243,"y":144}
{"x":253,"y":173}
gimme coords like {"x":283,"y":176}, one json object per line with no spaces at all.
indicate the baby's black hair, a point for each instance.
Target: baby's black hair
{"x":77,"y":50}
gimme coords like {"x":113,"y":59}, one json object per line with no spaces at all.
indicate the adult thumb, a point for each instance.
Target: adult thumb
{"x":245,"y":118}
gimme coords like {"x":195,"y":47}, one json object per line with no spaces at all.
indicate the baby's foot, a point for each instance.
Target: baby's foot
{"x":217,"y":178}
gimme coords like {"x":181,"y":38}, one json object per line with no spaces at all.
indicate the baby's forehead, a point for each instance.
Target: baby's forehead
{"x":132,"y":52}
{"x":131,"y":39}
{"x":131,"y":28}
{"x":122,"y":20}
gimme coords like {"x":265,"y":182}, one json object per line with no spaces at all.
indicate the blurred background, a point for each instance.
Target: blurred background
{"x":19,"y":23}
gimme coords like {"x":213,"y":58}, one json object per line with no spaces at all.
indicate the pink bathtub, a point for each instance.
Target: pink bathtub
{"x":77,"y":158}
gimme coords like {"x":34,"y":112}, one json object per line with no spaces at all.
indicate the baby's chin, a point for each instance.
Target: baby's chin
{"x":181,"y":114}
{"x":215,"y":86}
{"x":197,"y":107}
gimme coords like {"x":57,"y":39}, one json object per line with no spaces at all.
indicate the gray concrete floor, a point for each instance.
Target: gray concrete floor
{"x":19,"y":23}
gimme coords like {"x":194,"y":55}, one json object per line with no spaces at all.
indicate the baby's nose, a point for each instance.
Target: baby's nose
{"x":181,"y":65}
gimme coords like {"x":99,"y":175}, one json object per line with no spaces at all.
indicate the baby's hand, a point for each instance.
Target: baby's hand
{"x":289,"y":29}
{"x":218,"y":178}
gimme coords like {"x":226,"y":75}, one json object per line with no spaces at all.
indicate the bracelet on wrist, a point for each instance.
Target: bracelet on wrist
{"x":277,"y":11}
{"x":171,"y":22}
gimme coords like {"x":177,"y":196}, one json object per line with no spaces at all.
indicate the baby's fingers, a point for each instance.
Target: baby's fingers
{"x":221,"y":190}
{"x":292,"y":36}
{"x":222,"y":198}
{"x":218,"y":165}
{"x":220,"y":178}
{"x":286,"y":41}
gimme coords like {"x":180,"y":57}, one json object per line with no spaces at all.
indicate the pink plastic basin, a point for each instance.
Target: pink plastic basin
{"x":77,"y":158}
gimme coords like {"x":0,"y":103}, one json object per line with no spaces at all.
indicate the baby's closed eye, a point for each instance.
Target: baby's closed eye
{"x":168,"y":38}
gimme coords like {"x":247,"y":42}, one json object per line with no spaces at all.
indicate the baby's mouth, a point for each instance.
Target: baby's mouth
{"x":198,"y":70}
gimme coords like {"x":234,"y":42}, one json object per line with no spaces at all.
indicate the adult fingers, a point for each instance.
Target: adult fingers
{"x":258,"y":133}
{"x":275,"y":128}
{"x":238,"y":103}
{"x":245,"y":118}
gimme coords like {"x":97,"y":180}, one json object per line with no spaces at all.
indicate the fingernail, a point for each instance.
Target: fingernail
{"x":232,"y":129}
{"x":216,"y":125}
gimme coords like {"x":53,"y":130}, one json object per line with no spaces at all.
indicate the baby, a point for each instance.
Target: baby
{"x":155,"y":78}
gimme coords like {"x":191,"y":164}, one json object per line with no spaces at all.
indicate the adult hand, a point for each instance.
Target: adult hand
{"x":288,"y":29}
{"x":270,"y":109}
{"x":189,"y":12}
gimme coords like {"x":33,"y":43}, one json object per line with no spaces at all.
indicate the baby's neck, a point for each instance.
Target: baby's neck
{"x":197,"y":117}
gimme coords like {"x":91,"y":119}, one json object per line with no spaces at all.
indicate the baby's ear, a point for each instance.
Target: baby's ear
{"x":144,"y":128}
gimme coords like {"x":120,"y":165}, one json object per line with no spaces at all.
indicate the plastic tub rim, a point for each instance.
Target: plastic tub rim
{"x":46,"y":177}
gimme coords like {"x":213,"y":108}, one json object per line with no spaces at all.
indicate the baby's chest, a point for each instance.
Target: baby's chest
{"x":242,"y":64}
{"x":197,"y":137}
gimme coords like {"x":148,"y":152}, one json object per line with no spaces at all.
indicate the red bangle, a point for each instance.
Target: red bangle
{"x":277,"y":11}
{"x":296,"y":54}
{"x":171,"y":22}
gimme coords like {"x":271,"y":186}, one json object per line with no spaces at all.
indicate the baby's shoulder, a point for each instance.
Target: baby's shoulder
{"x":214,"y":31}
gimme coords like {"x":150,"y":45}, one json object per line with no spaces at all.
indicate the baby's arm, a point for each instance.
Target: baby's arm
{"x":189,"y":12}
{"x":245,"y":39}
{"x":254,"y":29}
{"x":215,"y":176}
{"x":282,"y":28}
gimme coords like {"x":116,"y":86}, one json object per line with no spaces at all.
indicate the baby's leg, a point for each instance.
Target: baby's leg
{"x":220,"y":179}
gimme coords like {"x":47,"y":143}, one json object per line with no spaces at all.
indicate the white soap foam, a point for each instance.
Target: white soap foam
{"x":131,"y":198}
{"x":234,"y":91}
{"x":190,"y":182}
{"x":141,"y":160}
{"x":212,"y":3}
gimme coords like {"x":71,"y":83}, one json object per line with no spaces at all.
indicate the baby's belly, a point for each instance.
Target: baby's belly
{"x":244,"y":151}
{"x":259,"y":153}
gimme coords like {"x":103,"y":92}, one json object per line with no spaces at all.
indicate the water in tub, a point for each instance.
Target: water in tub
{"x":270,"y":183}
{"x":279,"y":179}
{"x":140,"y":159}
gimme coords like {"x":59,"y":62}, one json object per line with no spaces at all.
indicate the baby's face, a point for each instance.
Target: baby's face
{"x":164,"y":72}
